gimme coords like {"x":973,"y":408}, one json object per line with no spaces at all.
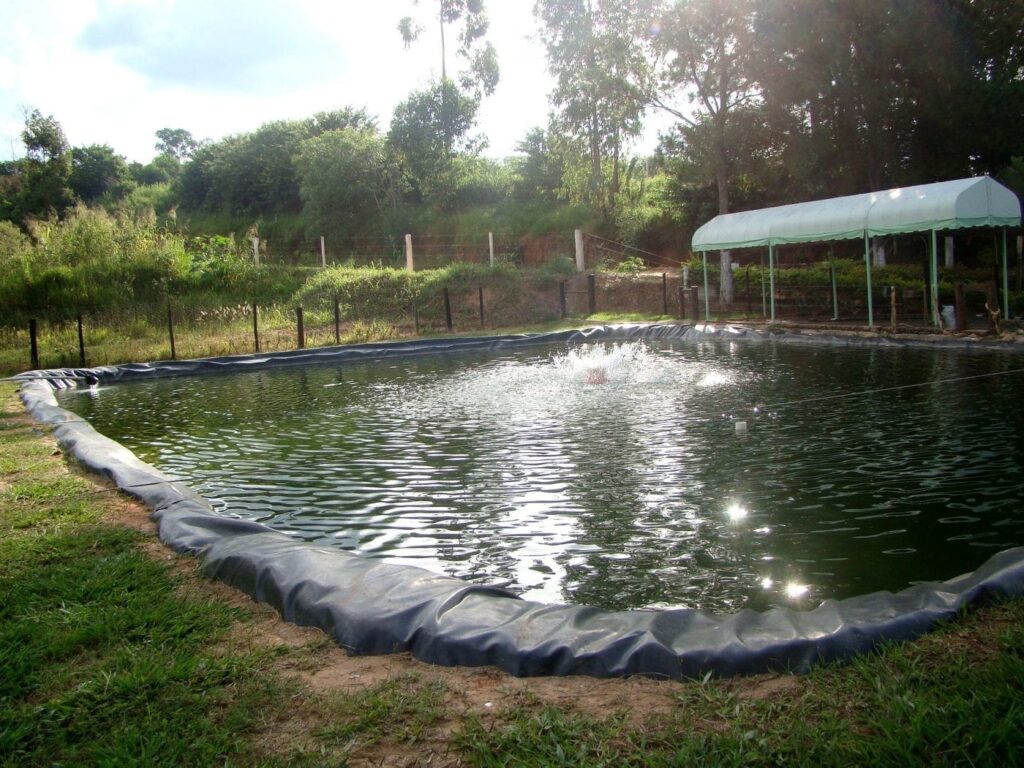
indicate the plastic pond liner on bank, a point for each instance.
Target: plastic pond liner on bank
{"x":734,"y":501}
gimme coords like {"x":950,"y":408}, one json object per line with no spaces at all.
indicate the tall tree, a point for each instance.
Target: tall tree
{"x":592,"y":52}
{"x":46,"y":169}
{"x":482,"y":72}
{"x":703,"y":76}
{"x":97,"y":170}
{"x":426,"y":129}
{"x":176,"y":142}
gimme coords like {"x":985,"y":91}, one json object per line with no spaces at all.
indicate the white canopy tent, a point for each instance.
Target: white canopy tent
{"x":947,"y":205}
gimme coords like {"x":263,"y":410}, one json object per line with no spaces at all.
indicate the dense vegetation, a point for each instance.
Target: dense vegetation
{"x":773,"y":101}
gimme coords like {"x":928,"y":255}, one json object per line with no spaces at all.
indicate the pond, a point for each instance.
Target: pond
{"x":716,"y":475}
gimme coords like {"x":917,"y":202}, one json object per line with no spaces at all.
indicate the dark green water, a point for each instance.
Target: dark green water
{"x":626,"y":488}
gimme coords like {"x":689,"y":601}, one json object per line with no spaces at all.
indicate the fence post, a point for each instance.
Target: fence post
{"x":447,"y":310}
{"x":408,"y":253}
{"x":33,"y":345}
{"x":416,"y":318}
{"x":694,"y":304}
{"x":337,"y":320}
{"x":301,"y":330}
{"x":256,"y":251}
{"x":255,"y":328}
{"x":581,"y":265}
{"x":490,"y":245}
{"x":480,"y":290}
{"x":682,"y":302}
{"x":591,"y":293}
{"x":664,"y":293}
{"x":81,"y":343}
{"x":961,"y":306}
{"x":561,"y":299}
{"x":892,"y":307}
{"x":323,"y":253}
{"x":170,"y":330}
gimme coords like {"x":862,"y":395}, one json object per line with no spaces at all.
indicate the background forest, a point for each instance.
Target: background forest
{"x":773,"y":101}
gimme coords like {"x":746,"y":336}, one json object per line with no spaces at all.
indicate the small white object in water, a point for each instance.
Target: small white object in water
{"x":741,"y":427}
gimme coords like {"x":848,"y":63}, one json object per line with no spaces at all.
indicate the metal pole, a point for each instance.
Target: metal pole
{"x":480,"y":290}
{"x":771,"y":280}
{"x":33,"y":344}
{"x":682,"y":304}
{"x":591,"y":293}
{"x":835,"y":291}
{"x":81,"y":343}
{"x":170,"y":330}
{"x":934,"y":268}
{"x":300,"y":330}
{"x":867,"y":269}
{"x":664,"y":293}
{"x":764,"y":292}
{"x":447,"y":310}
{"x":561,"y":299}
{"x":707,"y":304}
{"x":256,"y":328}
{"x":1006,"y":281}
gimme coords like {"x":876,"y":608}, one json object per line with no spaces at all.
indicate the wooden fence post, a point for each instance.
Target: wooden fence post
{"x":255,"y":328}
{"x":447,"y":310}
{"x":337,"y":320}
{"x":561,"y":299}
{"x":591,"y":293}
{"x":33,"y":344}
{"x":170,"y":330}
{"x":81,"y":343}
{"x":301,"y":331}
{"x":480,"y":290}
{"x":682,"y":301}
{"x":664,"y":293}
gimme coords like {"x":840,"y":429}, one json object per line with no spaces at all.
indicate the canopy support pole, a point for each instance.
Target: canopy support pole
{"x":764,"y":291}
{"x":867,"y":269}
{"x":707,"y":302}
{"x":835,"y":292}
{"x":771,"y":277}
{"x":934,"y":267}
{"x":1006,"y":282}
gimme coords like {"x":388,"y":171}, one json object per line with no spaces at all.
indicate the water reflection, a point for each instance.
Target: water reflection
{"x":625,"y":489}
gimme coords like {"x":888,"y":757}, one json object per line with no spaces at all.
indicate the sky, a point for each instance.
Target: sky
{"x":116,"y":71}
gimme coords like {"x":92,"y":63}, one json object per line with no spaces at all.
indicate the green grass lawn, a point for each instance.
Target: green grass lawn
{"x":112,"y":656}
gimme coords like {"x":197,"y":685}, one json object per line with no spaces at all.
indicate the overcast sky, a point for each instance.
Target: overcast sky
{"x":116,"y":71}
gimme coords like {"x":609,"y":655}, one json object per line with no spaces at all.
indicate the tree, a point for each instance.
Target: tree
{"x":345,"y":177}
{"x":96,"y":170}
{"x":176,"y":142}
{"x":482,"y":72}
{"x":702,"y":76}
{"x":46,"y":169}
{"x":592,"y":52}
{"x":426,"y":129}
{"x":541,"y":169}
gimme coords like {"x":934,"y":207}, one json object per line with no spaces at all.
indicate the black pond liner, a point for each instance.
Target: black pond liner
{"x":373,"y":607}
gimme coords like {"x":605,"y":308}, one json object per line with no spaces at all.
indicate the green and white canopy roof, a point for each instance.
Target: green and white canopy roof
{"x":976,"y":202}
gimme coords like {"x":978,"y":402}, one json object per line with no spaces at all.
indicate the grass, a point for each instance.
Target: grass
{"x":111,"y":656}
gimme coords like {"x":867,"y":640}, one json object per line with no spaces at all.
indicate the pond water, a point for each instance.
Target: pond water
{"x":613,"y":475}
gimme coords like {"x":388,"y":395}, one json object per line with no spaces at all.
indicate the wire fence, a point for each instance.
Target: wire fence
{"x":187,"y":327}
